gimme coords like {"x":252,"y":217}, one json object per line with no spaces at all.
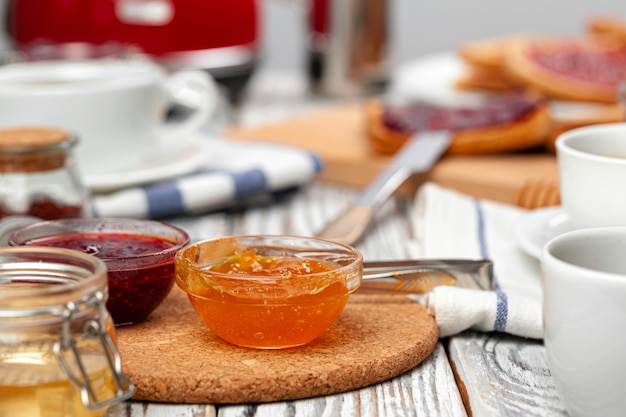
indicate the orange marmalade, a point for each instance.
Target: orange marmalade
{"x":266,"y":302}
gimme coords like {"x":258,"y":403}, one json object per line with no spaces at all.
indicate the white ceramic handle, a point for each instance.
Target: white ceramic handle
{"x":196,"y":91}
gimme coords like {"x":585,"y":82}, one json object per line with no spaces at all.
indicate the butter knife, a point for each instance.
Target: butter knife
{"x":418,"y":155}
{"x":420,"y":276}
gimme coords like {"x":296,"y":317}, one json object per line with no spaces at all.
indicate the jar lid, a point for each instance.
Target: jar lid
{"x":31,"y":149}
{"x":37,"y":282}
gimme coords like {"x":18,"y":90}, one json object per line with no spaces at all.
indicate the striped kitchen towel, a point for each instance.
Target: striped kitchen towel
{"x":453,"y":225}
{"x":235,"y":172}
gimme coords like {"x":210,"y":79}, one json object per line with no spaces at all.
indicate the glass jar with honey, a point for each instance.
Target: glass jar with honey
{"x":58,"y":355}
{"x":38,"y":174}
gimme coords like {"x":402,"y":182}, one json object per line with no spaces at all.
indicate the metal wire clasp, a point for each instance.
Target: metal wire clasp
{"x":68,"y":346}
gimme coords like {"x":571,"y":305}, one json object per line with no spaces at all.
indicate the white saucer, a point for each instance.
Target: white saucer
{"x":536,"y":228}
{"x":184,"y":162}
{"x":432,"y":78}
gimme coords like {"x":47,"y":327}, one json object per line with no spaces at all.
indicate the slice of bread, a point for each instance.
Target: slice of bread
{"x":485,"y":62}
{"x":520,"y":131}
{"x":582,"y":69}
{"x":609,"y":28}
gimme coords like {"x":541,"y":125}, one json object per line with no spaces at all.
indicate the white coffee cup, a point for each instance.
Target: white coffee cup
{"x":116,"y":106}
{"x":592,"y":168}
{"x":584,"y":319}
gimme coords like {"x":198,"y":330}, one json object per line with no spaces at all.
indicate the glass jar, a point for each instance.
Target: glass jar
{"x":38,"y":176}
{"x":57,"y":341}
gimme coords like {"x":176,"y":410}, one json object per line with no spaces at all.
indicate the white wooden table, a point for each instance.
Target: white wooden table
{"x":473,"y":374}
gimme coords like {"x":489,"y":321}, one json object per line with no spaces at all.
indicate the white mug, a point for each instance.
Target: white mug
{"x":584,"y":319}
{"x":592,"y":169}
{"x":116,"y":106}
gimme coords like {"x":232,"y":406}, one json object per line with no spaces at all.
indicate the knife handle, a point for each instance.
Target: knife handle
{"x":349,"y":226}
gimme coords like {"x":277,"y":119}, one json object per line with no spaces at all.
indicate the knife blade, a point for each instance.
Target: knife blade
{"x":419,"y":276}
{"x":418,"y":155}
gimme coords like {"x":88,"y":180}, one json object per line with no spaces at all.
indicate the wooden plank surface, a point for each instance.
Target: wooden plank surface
{"x":505,"y":376}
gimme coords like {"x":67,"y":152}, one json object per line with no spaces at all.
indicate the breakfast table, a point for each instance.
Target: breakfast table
{"x":469,"y":373}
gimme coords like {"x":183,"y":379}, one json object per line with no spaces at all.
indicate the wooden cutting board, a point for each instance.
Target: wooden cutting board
{"x":173,"y":357}
{"x":338,"y":136}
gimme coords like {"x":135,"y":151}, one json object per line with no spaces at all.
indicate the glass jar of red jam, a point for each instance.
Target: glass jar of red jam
{"x":38,"y":174}
{"x":57,"y":340}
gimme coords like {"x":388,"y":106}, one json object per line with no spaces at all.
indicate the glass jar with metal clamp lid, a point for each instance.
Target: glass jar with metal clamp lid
{"x":58,"y":355}
{"x":38,"y":174}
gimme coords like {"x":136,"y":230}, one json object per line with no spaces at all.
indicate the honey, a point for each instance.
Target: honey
{"x":33,"y":385}
{"x":57,"y":340}
{"x":267,"y":301}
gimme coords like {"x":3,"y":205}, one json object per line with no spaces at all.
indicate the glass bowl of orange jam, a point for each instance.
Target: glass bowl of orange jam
{"x":268,"y":292}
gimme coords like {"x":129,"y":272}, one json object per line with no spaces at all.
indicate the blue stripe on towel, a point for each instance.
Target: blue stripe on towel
{"x":249,"y":182}
{"x":502,"y":312}
{"x":502,"y":308}
{"x":317,"y":163}
{"x":164,"y":200}
{"x":482,"y":241}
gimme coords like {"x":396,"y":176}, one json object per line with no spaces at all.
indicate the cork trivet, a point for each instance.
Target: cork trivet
{"x":173,"y":357}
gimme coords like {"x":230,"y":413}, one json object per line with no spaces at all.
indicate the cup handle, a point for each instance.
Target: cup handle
{"x":192,"y":97}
